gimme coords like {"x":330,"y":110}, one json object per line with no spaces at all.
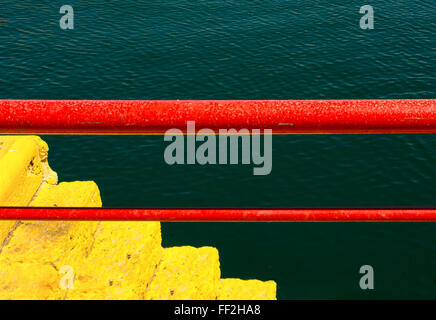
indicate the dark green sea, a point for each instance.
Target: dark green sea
{"x":228,"y":49}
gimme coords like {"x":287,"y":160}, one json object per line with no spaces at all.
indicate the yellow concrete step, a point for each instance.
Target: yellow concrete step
{"x":108,"y":260}
{"x":121,"y":264}
{"x":237,"y":289}
{"x":31,"y":258}
{"x":186,"y":273}
{"x":68,"y":194}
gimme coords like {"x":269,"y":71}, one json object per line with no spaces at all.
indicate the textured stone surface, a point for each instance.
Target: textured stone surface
{"x":237,"y":289}
{"x":186,"y":273}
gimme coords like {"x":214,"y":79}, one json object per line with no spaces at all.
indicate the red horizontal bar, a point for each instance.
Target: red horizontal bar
{"x":244,"y":215}
{"x":155,"y":117}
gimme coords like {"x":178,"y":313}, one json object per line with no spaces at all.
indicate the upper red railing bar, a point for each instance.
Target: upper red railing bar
{"x":223,"y":215}
{"x":157,"y":116}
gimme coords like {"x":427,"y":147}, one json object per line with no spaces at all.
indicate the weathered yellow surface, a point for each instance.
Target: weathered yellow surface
{"x":28,"y":281}
{"x":109,"y":260}
{"x":121,"y":263}
{"x":186,"y":273}
{"x":38,"y":245}
{"x":23,"y":167}
{"x":5,"y":228}
{"x":237,"y":289}
{"x":68,"y":194}
{"x":100,"y":260}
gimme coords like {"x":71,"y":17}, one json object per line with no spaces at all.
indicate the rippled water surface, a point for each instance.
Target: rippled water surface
{"x":249,"y":50}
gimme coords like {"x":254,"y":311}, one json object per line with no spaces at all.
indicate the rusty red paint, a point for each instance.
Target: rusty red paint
{"x":221,"y":215}
{"x":156,"y":116}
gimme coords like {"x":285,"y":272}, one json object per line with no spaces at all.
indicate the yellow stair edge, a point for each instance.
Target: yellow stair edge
{"x":121,"y":264}
{"x":186,"y":273}
{"x":107,"y":260}
{"x":68,"y":194}
{"x":237,"y":289}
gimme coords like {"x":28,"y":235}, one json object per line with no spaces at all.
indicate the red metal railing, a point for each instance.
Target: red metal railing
{"x":155,"y":117}
{"x":245,"y":215}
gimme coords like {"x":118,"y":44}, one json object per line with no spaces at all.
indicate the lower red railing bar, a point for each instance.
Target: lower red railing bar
{"x":242,"y":215}
{"x":157,"y":116}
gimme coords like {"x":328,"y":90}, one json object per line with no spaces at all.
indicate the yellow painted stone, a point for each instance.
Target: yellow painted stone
{"x":6,"y":227}
{"x":39,"y":245}
{"x":186,"y":273}
{"x":237,"y":289}
{"x":23,"y":167}
{"x":68,"y":194}
{"x":28,"y":281}
{"x":122,"y":261}
{"x":49,"y":242}
{"x":110,"y":260}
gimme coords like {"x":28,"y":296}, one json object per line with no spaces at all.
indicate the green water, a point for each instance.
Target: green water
{"x":249,"y":50}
